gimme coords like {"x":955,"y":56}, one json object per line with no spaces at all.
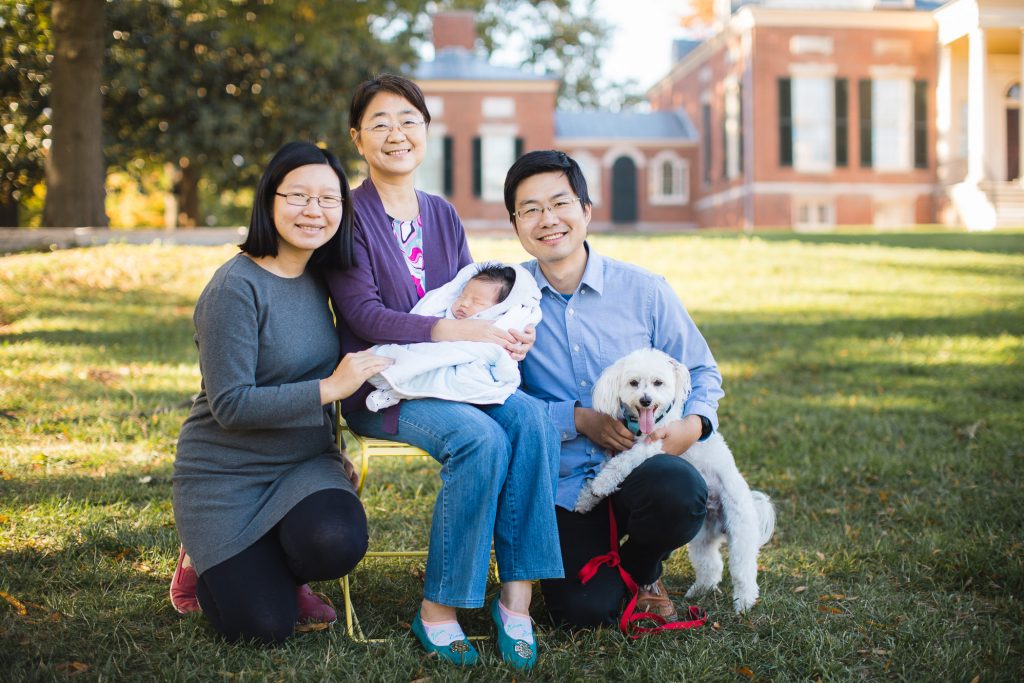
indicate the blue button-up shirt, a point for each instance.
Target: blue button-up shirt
{"x":617,"y":308}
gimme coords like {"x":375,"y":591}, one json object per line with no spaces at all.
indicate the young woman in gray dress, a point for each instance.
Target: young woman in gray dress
{"x":263,"y":500}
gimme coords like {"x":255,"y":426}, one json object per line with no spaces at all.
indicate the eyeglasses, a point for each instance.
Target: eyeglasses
{"x":300,"y":199}
{"x":561,"y":207}
{"x":383,"y":129}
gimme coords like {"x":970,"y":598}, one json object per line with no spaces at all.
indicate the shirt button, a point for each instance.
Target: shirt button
{"x":565,"y":435}
{"x":575,"y":347}
{"x":583,"y":383}
{"x":572,"y":312}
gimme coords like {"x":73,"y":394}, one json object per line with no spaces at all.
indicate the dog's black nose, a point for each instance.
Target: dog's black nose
{"x":645,"y":401}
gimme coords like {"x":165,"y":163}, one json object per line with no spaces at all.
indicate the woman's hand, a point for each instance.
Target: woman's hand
{"x":604,"y":430}
{"x":352,"y":371}
{"x":524,"y":342}
{"x":472,"y":330}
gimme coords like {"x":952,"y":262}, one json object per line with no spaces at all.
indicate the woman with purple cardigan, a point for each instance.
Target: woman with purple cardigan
{"x":499,"y":463}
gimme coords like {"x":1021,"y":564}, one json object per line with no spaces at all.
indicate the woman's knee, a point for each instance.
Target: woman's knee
{"x":325,"y":536}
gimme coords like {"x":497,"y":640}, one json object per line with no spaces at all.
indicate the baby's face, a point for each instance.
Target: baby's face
{"x":476,"y":296}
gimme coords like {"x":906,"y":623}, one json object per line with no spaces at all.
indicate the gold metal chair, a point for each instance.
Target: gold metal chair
{"x":364,"y":448}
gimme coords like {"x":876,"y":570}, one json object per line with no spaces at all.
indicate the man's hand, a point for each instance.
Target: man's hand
{"x":677,"y":437}
{"x":604,"y":430}
{"x":524,"y":342}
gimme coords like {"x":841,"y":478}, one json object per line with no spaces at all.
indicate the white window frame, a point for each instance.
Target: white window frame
{"x":430,"y":174}
{"x":814,"y":122}
{"x":892,"y":124}
{"x":680,"y":193}
{"x":732,"y":129}
{"x":591,"y":168}
{"x":497,"y":154}
{"x":498,"y":107}
{"x":813,"y":213}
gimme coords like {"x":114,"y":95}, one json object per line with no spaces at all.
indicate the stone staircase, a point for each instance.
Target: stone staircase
{"x":1007,"y":197}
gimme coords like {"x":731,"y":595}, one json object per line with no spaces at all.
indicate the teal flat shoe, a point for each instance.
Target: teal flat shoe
{"x":459,"y":652}
{"x":518,"y":653}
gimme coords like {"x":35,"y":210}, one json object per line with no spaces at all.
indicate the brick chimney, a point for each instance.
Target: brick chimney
{"x":454,"y":29}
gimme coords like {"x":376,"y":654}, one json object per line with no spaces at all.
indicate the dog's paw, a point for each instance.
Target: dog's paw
{"x":741,"y":603}
{"x":702,"y":589}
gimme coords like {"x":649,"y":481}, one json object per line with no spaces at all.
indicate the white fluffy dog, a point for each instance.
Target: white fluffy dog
{"x":649,"y":388}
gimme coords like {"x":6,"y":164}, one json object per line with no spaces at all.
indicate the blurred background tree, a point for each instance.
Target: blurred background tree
{"x":27,"y":50}
{"x":196,"y":94}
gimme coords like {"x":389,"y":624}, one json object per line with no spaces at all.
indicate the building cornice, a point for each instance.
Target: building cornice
{"x":487,"y":87}
{"x":624,"y":142}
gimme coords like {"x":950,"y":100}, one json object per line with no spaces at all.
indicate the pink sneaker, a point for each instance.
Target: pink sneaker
{"x":183,"y":586}
{"x":315,"y":610}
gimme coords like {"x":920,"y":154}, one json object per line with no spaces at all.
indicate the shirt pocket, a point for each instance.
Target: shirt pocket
{"x":613,"y":347}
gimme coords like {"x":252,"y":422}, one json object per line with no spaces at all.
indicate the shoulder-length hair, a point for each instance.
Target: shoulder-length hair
{"x":262,"y":238}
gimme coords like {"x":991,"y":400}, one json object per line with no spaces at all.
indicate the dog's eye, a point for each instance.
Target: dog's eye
{"x":634,"y":383}
{"x":658,"y":382}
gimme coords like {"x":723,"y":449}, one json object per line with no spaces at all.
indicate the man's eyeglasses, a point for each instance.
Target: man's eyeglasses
{"x":561,"y":207}
{"x":407,"y":126}
{"x":300,"y":199}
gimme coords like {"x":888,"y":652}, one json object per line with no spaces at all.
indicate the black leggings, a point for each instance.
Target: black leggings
{"x":661,"y":506}
{"x":252,"y":596}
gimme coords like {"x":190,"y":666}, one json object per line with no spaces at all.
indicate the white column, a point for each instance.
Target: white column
{"x":976,"y":109}
{"x":944,"y":112}
{"x":1020,"y":113}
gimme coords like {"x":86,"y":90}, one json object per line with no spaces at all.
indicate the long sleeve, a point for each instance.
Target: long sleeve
{"x":228,"y":336}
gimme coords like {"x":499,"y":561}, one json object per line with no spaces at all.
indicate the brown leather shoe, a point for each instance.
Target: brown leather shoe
{"x":654,"y":598}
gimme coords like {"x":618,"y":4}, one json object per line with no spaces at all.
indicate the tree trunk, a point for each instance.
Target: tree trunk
{"x":186,"y":194}
{"x":75,"y":171}
{"x":8,"y":212}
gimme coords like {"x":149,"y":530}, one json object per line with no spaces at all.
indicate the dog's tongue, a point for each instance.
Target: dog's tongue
{"x":646,"y":421}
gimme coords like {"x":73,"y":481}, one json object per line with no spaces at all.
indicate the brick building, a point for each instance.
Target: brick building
{"x":871,"y":112}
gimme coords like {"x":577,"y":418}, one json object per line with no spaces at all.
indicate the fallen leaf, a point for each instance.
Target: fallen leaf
{"x":425,"y":679}
{"x":800,"y":589}
{"x":820,"y":555}
{"x":716,"y":626}
{"x":15,"y":603}
{"x":745,"y":672}
{"x":976,"y":679}
{"x":829,"y":609}
{"x":73,"y":668}
{"x":146,"y":479}
{"x":832,"y":596}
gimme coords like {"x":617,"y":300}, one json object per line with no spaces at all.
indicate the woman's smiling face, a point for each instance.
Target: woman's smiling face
{"x":395,"y":150}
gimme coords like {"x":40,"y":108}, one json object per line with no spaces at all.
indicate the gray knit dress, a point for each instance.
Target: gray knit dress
{"x":257,"y":440}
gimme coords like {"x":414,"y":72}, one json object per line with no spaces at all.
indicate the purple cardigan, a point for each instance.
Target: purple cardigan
{"x":372,"y":299}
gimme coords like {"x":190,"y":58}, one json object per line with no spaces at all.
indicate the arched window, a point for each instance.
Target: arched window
{"x":669,"y":181}
{"x":1013,"y":93}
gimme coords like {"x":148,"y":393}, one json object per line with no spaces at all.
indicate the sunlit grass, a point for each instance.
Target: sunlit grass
{"x":874,"y":387}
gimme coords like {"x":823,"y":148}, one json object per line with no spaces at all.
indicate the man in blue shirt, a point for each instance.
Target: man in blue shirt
{"x":596,"y":310}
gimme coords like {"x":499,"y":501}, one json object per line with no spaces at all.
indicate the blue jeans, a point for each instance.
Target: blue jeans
{"x":499,"y":468}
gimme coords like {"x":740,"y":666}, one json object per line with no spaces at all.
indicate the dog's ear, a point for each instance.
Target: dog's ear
{"x":606,"y":389}
{"x":682,"y":374}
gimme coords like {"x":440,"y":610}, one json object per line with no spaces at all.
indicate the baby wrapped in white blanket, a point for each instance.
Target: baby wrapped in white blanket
{"x":466,"y":371}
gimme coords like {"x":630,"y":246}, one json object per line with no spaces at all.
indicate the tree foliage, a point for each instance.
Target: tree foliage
{"x":215,"y":86}
{"x":24,"y":99}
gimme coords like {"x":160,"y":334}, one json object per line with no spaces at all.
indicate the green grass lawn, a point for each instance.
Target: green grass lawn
{"x":874,"y":388}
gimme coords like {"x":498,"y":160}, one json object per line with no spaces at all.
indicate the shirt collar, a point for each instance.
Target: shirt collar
{"x":593,"y":274}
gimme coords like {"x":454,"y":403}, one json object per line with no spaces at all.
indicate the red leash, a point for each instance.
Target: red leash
{"x":629,"y":619}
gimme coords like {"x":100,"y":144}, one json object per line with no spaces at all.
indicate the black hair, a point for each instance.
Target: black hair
{"x":262,"y":238}
{"x":544,"y":161}
{"x":396,"y":85}
{"x":499,"y":274}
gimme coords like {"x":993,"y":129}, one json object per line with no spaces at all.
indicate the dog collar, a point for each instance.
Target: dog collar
{"x":632,"y":425}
